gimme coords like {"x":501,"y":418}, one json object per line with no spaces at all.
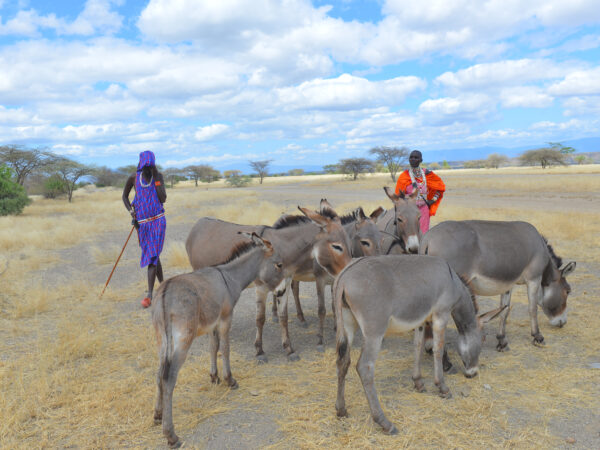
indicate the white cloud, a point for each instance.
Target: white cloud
{"x":210,"y":132}
{"x":348,"y":92}
{"x":525,"y":97}
{"x":450,"y":109}
{"x":578,"y":82}
{"x":503,"y":73}
{"x":96,"y":17}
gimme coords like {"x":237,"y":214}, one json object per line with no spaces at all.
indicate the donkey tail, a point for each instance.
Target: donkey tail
{"x":341,"y":337}
{"x":166,"y":348}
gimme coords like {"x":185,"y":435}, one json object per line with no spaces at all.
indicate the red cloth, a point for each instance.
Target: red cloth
{"x":434,"y":185}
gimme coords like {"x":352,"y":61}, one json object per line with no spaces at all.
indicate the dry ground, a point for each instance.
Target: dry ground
{"x":76,"y":371}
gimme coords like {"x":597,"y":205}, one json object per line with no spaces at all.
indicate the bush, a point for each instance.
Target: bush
{"x":237,"y":181}
{"x":13,"y":197}
{"x":54,"y":186}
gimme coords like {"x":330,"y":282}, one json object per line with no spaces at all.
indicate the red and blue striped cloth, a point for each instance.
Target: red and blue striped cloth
{"x":147,"y":205}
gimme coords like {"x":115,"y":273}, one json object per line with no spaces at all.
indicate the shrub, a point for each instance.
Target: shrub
{"x":237,"y":181}
{"x":13,"y":197}
{"x":54,"y":186}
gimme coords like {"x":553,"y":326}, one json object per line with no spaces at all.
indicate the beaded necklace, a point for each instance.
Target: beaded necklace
{"x":142,"y":181}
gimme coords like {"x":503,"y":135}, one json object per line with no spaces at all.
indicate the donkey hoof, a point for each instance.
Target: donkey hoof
{"x":176,"y":443}
{"x":538,"y":340}
{"x":393,"y":430}
{"x":420,"y":387}
{"x":447,"y":395}
{"x":450,"y":369}
{"x":157,"y":419}
{"x":293,"y":357}
{"x":341,"y":412}
{"x":303,"y":323}
{"x":320,"y":348}
{"x":502,"y":347}
{"x":232,"y":383}
{"x":262,"y":359}
{"x":214,"y":379}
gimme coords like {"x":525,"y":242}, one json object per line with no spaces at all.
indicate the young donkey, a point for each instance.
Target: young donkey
{"x":202,"y":302}
{"x":398,"y":293}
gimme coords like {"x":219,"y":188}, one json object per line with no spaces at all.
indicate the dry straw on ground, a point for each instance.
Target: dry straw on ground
{"x":78,"y":372}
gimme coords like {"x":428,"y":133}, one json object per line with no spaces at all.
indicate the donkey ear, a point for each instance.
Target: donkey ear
{"x":392,"y":195}
{"x":414,"y":194}
{"x":375,"y":214}
{"x":359,"y":214}
{"x":315,"y":216}
{"x":324,"y":204}
{"x":486,"y":317}
{"x":568,"y":269}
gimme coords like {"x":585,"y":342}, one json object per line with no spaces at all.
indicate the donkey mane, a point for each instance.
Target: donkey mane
{"x":239,"y":250}
{"x":289,"y":220}
{"x":464,"y":281}
{"x":331,"y":214}
{"x":557,"y":259}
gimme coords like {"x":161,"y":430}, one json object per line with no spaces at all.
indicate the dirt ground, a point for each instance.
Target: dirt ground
{"x":527,"y":397}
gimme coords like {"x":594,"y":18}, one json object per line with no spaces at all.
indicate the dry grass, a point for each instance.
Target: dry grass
{"x":78,"y":372}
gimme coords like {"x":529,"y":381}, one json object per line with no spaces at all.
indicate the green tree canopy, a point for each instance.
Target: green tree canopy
{"x":12,"y":195}
{"x":356,"y":166}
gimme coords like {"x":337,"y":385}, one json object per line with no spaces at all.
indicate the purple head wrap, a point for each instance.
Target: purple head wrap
{"x":146,"y":159}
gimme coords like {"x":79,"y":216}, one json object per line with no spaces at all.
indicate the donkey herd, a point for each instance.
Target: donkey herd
{"x":386,"y":278}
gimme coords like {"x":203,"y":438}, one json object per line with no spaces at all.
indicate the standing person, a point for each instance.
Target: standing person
{"x":431,"y":188}
{"x":148,"y":216}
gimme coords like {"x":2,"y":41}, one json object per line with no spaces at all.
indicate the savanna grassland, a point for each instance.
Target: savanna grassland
{"x":78,"y":371}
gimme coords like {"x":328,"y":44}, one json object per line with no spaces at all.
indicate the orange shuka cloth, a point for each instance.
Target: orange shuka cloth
{"x":434,"y":184}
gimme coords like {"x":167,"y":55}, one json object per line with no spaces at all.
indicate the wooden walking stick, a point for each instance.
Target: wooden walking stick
{"x":115,"y":266}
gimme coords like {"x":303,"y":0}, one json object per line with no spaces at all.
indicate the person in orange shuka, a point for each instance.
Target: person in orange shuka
{"x":430,"y":187}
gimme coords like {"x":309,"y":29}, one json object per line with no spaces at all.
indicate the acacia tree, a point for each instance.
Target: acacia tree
{"x":23,"y":162}
{"x":202,"y":172}
{"x":495,"y":160}
{"x":546,"y":157}
{"x":392,"y":157}
{"x":355,"y":166}
{"x":173,"y":175}
{"x":70,"y":172}
{"x":565,"y":150}
{"x":261,"y":168}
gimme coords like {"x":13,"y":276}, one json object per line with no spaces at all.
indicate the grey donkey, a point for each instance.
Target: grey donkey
{"x":403,"y":222}
{"x":394,"y":294}
{"x":494,"y":256}
{"x":202,"y":302}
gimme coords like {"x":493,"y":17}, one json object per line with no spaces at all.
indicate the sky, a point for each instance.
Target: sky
{"x":301,"y":83}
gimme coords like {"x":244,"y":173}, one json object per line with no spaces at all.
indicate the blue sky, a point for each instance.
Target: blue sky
{"x":298,"y":82}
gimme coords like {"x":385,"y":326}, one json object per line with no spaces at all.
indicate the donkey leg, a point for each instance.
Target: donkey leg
{"x":534,"y":293}
{"x":366,"y":371}
{"x":285,"y":333}
{"x":214,"y":348}
{"x":322,"y":312}
{"x":299,"y":312}
{"x":419,"y":343}
{"x":158,"y":407}
{"x":261,"y":298}
{"x":333,"y":308}
{"x":169,"y":380}
{"x":501,"y":336}
{"x":224,"y":328}
{"x":344,"y":344}
{"x":274,"y":312}
{"x":439,"y":330}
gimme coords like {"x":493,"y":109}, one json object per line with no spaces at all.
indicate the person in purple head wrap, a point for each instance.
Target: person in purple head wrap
{"x":148,"y":216}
